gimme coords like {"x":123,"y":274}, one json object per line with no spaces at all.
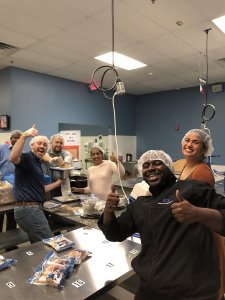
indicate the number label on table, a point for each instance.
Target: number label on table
{"x":134,"y":251}
{"x":78,"y":283}
{"x":10,"y":284}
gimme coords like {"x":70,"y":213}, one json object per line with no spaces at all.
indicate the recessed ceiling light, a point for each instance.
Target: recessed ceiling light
{"x":220,"y":23}
{"x":121,"y":61}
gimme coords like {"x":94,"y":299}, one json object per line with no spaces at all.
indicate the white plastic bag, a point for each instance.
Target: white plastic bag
{"x":6,"y":193}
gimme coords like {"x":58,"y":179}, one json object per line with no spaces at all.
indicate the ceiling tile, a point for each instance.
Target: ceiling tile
{"x":62,"y":40}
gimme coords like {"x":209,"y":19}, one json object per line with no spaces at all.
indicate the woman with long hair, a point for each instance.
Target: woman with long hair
{"x":196,"y":147}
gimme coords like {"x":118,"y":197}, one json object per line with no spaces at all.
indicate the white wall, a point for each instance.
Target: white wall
{"x":4,"y":137}
{"x":84,"y":153}
{"x":126,"y":144}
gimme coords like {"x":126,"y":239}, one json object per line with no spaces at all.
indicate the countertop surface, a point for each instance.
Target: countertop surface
{"x":108,"y":265}
{"x":73,"y":212}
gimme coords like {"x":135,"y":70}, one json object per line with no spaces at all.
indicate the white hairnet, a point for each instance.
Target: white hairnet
{"x":155,"y":155}
{"x":205,"y":138}
{"x":98,"y":147}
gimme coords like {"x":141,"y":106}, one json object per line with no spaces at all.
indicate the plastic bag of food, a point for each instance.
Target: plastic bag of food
{"x":53,"y":270}
{"x":59,"y":242}
{"x":6,"y":193}
{"x":78,"y":254}
{"x":6,"y":262}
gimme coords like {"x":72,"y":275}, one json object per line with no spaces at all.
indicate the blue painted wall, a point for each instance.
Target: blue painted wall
{"x":5,"y":92}
{"x":159,"y":114}
{"x":30,"y":97}
{"x":47,"y":101}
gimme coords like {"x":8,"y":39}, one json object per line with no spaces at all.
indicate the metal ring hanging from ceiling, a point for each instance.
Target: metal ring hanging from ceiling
{"x":205,"y":108}
{"x":101,"y":86}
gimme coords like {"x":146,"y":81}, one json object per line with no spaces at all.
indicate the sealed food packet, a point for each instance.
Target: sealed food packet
{"x":6,"y":262}
{"x":53,"y":270}
{"x":78,"y":254}
{"x":59,"y":242}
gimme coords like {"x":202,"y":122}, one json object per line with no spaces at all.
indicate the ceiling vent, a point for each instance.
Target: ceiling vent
{"x":6,"y":49}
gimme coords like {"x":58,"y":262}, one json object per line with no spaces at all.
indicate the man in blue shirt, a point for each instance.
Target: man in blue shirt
{"x":30,"y":188}
{"x":7,"y":168}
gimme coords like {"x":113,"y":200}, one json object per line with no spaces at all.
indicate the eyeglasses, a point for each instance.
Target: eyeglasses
{"x":153,"y":163}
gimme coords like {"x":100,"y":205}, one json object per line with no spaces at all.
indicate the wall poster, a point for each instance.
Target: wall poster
{"x":72,"y":142}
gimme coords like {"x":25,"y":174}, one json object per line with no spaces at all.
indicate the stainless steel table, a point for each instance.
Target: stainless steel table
{"x":65,"y":215}
{"x":109,"y":265}
{"x":6,"y":208}
{"x":219,"y":187}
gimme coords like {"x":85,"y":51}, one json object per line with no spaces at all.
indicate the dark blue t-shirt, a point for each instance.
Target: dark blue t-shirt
{"x":29,"y":179}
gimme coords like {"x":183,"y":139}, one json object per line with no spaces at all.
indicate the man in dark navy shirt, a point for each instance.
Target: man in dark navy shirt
{"x":29,"y":188}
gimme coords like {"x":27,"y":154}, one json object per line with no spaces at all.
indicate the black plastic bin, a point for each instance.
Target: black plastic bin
{"x":78,"y":181}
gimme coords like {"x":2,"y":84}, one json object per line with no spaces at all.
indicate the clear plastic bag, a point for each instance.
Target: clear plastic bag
{"x":53,"y":270}
{"x":59,"y":242}
{"x":6,"y":193}
{"x":6,"y":262}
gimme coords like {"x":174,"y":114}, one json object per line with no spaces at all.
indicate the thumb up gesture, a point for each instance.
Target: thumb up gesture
{"x":31,"y":132}
{"x":113,"y":158}
{"x":183,"y":210}
{"x":112,"y":200}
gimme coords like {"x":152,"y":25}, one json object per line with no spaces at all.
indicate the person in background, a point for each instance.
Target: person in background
{"x":56,"y":156}
{"x":56,"y":150}
{"x":7,"y":168}
{"x":196,"y":147}
{"x":100,"y":175}
{"x":29,"y":189}
{"x":178,"y":259}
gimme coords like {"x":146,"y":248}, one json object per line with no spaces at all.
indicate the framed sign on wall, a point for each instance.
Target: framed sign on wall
{"x":4,"y":122}
{"x":72,"y":142}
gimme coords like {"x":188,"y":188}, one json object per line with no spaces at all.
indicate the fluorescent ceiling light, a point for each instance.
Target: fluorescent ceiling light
{"x":220,"y":22}
{"x":121,"y":61}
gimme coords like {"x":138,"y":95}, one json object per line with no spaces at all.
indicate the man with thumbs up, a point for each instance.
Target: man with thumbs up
{"x":29,"y":189}
{"x":178,"y":260}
